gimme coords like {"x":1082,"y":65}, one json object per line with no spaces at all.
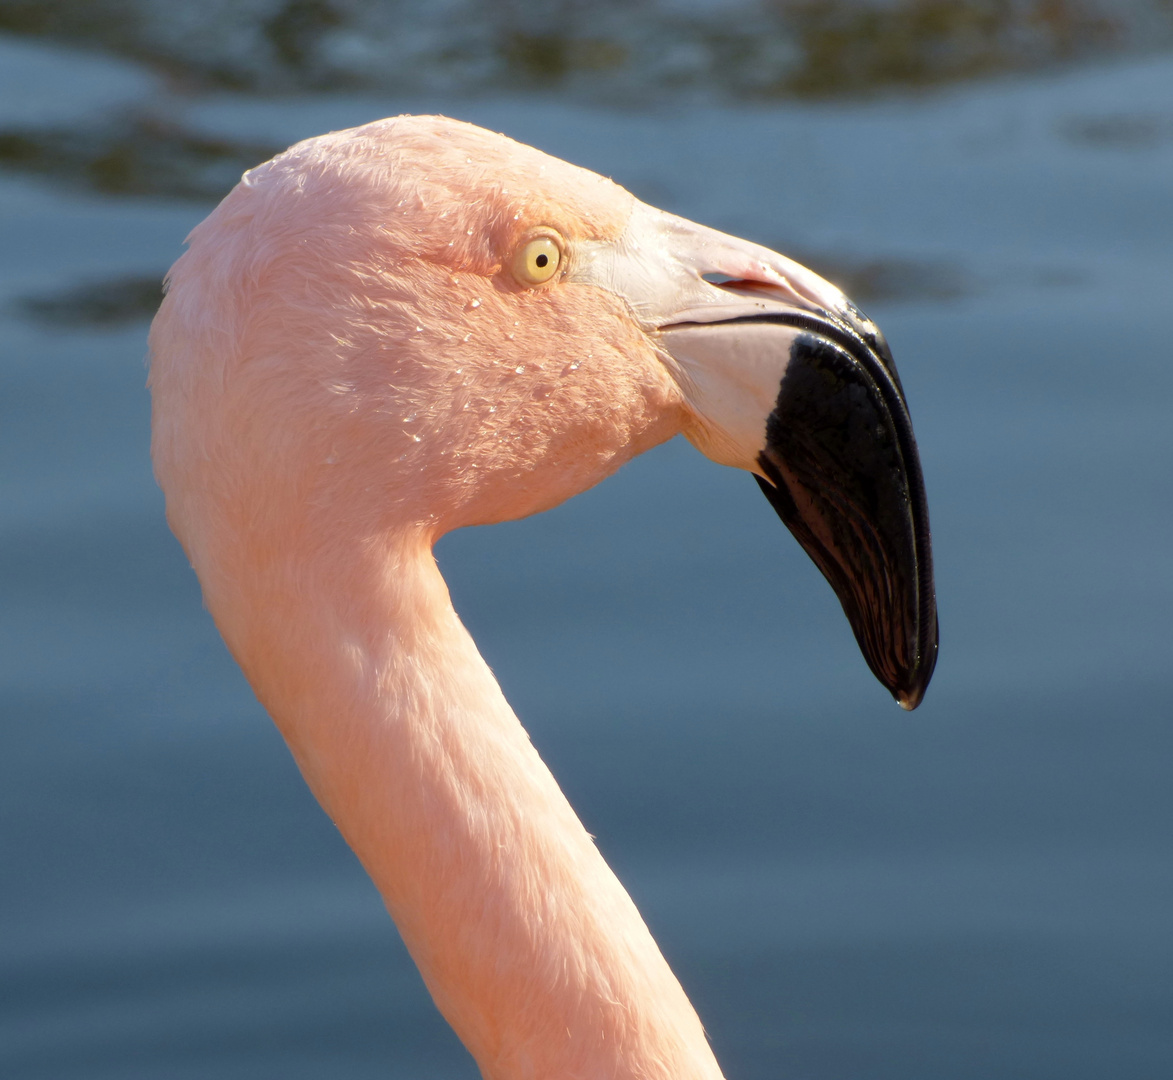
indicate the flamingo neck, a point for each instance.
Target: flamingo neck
{"x":527,"y":941}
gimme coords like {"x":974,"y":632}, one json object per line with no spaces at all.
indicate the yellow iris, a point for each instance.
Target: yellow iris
{"x":537,"y":261}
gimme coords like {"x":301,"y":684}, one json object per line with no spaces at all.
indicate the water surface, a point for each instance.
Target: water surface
{"x":979,"y":889}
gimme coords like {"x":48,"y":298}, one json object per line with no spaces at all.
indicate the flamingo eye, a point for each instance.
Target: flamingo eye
{"x":537,"y":261}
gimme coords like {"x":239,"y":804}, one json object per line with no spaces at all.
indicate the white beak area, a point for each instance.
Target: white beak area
{"x":659,"y":266}
{"x":729,"y":375}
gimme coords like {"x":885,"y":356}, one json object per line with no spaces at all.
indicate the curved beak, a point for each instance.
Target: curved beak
{"x":787,"y":379}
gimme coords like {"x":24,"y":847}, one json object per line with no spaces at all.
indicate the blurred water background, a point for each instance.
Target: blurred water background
{"x":981,"y":889}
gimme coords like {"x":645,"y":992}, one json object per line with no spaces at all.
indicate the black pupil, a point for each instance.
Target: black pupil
{"x":541,"y":260}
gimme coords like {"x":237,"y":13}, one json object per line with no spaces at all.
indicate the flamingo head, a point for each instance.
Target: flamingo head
{"x":418,"y":322}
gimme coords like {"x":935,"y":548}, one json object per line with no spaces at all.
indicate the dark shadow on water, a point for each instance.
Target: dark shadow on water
{"x":851,"y":47}
{"x":140,"y":155}
{"x":1118,"y":131}
{"x":98,"y":304}
{"x":613,"y":50}
{"x":887,"y":280}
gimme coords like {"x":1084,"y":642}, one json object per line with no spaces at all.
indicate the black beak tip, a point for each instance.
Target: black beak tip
{"x":911,"y":692}
{"x":840,"y":467}
{"x":910,"y":699}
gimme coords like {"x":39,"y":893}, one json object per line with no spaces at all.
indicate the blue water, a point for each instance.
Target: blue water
{"x":981,"y":889}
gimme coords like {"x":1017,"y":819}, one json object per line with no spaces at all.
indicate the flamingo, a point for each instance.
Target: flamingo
{"x":386,"y":333}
